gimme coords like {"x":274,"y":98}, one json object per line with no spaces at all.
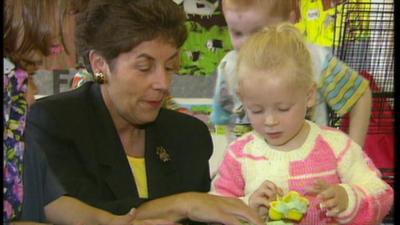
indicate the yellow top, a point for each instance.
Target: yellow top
{"x":138,"y":168}
{"x":318,"y":24}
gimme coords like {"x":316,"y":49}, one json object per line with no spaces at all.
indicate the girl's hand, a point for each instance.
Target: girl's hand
{"x":261,"y":198}
{"x":333,"y":198}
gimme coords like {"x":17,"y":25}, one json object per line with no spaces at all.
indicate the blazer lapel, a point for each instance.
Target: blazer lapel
{"x":109,"y":151}
{"x":162,"y":176}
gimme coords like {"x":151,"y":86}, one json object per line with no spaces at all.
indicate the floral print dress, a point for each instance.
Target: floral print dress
{"x":14,"y":116}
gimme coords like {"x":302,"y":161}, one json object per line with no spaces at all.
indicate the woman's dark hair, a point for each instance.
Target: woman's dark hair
{"x":112,"y":27}
{"x":77,"y":6}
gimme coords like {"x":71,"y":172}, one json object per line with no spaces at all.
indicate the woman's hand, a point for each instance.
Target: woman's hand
{"x":333,"y":198}
{"x":146,"y":221}
{"x":211,"y":208}
{"x":201,"y":207}
{"x":154,"y":222}
{"x":129,"y":219}
{"x":263,"y":196}
{"x":28,"y":223}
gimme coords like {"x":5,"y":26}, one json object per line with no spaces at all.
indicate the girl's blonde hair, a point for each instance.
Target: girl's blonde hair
{"x":276,"y":48}
{"x":273,"y":8}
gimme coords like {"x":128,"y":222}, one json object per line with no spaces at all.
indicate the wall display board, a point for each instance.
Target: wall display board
{"x":208,"y":40}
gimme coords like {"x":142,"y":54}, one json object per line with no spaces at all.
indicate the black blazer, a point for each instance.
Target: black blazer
{"x":83,"y":148}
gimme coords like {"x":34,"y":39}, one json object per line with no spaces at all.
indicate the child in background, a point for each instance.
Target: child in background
{"x":285,"y":152}
{"x":342,"y":88}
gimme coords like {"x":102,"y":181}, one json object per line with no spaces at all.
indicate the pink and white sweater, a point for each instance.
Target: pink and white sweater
{"x":327,"y":154}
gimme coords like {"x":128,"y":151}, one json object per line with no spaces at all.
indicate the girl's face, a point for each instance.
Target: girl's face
{"x":138,"y":81}
{"x":276,"y":107}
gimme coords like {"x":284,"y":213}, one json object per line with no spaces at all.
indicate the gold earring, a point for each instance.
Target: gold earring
{"x":99,"y":77}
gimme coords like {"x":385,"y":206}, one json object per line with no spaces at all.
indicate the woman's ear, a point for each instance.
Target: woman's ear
{"x":98,"y":63}
{"x":312,"y":95}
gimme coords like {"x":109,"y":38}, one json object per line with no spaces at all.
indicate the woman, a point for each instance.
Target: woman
{"x":26,"y":41}
{"x":110,"y":143}
{"x":28,"y":36}
{"x":31,"y":29}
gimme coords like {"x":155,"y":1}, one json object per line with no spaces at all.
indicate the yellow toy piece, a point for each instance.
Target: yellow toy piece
{"x":279,"y":223}
{"x":291,"y":206}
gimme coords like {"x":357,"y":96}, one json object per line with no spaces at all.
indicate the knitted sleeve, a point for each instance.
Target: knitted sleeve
{"x":229,"y":180}
{"x":340,"y":86}
{"x":370,"y":198}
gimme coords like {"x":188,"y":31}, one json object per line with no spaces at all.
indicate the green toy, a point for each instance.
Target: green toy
{"x":290,"y":207}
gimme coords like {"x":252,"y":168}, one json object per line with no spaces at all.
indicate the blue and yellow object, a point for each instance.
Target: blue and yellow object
{"x":292,"y":206}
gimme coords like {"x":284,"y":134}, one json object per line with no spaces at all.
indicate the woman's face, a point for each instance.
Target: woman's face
{"x":31,"y":58}
{"x":31,"y":61}
{"x":139,"y":80}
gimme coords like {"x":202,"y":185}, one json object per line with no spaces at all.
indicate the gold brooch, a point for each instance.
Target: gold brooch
{"x":163,"y":154}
